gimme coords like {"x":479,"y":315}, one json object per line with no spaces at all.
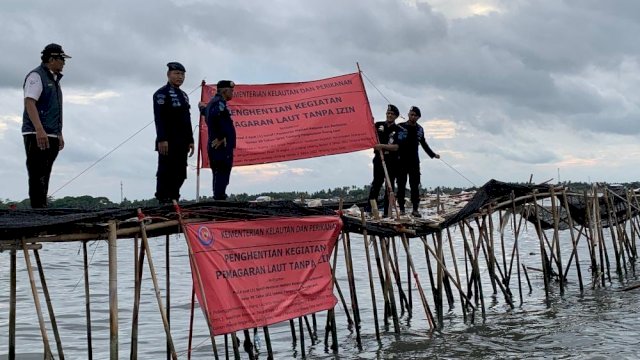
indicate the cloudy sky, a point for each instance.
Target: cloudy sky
{"x":507,"y":88}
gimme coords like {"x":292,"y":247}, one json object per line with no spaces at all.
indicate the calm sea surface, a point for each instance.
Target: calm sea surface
{"x":599,"y":324}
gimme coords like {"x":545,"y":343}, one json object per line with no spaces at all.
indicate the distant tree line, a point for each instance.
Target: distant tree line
{"x":347,"y":193}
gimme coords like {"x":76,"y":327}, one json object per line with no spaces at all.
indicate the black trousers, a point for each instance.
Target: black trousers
{"x":39,"y":165}
{"x":413,"y":172}
{"x":172,"y":171}
{"x":379,"y":178}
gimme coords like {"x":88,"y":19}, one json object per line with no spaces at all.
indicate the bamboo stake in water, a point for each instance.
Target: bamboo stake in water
{"x":425,"y":304}
{"x":52,"y":317}
{"x":613,"y":235}
{"x":543,"y":255}
{"x":168,"y":289}
{"x":113,"y":291}
{"x":556,"y":237}
{"x":455,"y":267}
{"x":573,"y":239}
{"x":12,"y":306}
{"x":370,"y":272}
{"x":352,"y":285}
{"x":194,"y":268}
{"x":389,"y":283}
{"x":604,"y":254}
{"x":515,"y":245}
{"x":154,"y":278}
{"x":137,"y":284}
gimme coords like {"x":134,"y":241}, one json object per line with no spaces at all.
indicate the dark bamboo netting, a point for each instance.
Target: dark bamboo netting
{"x":612,"y":209}
{"x":493,"y":192}
{"x":16,"y":224}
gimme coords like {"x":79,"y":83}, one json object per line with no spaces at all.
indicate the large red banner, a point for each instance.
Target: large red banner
{"x":261,"y":272}
{"x":289,"y":121}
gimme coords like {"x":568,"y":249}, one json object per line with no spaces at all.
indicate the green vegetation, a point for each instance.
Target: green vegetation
{"x":347,"y":193}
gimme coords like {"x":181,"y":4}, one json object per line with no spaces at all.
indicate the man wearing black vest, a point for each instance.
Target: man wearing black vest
{"x":388,"y":139}
{"x":174,"y":135}
{"x":409,"y":164}
{"x":42,"y":121}
{"x":222,"y":137}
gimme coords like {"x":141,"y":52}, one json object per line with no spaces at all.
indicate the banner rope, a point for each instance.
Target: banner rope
{"x":109,"y":152}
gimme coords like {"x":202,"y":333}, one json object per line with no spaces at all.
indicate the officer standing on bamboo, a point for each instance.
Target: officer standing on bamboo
{"x":388,"y":139}
{"x":222,"y":138}
{"x":174,"y":135}
{"x":409,"y":159}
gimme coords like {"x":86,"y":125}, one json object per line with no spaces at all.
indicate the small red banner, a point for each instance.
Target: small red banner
{"x":289,"y":121}
{"x":261,"y":272}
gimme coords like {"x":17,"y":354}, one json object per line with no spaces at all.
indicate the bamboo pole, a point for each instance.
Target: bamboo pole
{"x":515,"y":247}
{"x":630,"y":195}
{"x":395,"y":267}
{"x":409,"y":289}
{"x":389,"y":284}
{"x":604,"y":254}
{"x":574,"y":241}
{"x":591,"y":240}
{"x":475,"y":257}
{"x":439,"y":274}
{"x":248,"y":346}
{"x":621,"y":233}
{"x":236,"y":346}
{"x":385,"y":295}
{"x":12,"y":306}
{"x":137,"y":284}
{"x":425,"y":304}
{"x":556,"y":238}
{"x":432,"y":281}
{"x":194,"y":268}
{"x":611,"y":222}
{"x":487,"y":233}
{"x":370,"y":272}
{"x":113,"y":291}
{"x":448,"y":274}
{"x":191,"y":310}
{"x":302,"y":347}
{"x":52,"y":317}
{"x":167,"y":265}
{"x":352,"y":285}
{"x":340,"y":295}
{"x":455,"y":267}
{"x":154,"y":278}
{"x":526,"y":275}
{"x":87,"y":300}
{"x":36,"y":301}
{"x":543,"y":255}
{"x":267,"y":339}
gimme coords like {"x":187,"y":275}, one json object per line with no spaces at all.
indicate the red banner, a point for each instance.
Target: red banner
{"x":280,"y":122}
{"x":261,"y":272}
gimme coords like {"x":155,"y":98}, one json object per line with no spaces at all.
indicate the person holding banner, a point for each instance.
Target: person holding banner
{"x":174,"y":135}
{"x":389,"y":135}
{"x":409,"y":164}
{"x":222,"y":137}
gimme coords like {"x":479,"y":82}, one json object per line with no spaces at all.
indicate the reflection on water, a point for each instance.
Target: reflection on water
{"x":600,"y":324}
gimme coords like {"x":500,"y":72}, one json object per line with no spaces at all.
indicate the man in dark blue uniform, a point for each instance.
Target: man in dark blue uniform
{"x":409,"y":164}
{"x":388,"y":138}
{"x":174,"y":135}
{"x":42,"y":121}
{"x":222,"y":138}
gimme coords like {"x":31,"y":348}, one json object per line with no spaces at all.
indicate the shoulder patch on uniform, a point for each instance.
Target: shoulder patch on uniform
{"x":221,"y":106}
